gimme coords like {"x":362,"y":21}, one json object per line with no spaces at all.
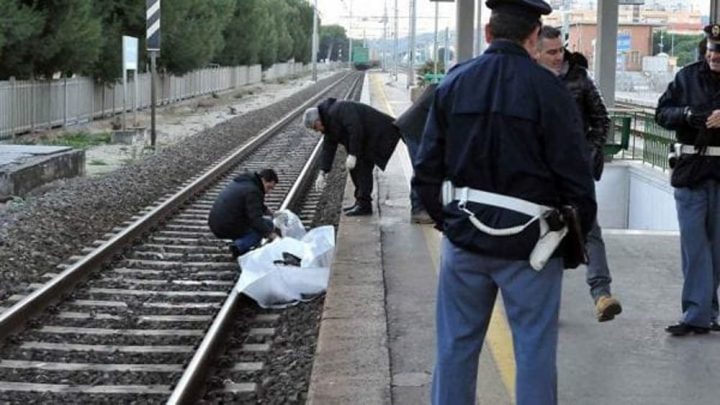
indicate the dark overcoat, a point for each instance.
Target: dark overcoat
{"x":412,"y":122}
{"x":240,"y":208}
{"x":365,"y":132}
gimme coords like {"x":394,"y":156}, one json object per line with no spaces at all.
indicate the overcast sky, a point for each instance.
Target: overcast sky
{"x":367,"y":15}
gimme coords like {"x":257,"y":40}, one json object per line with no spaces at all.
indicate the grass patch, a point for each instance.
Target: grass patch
{"x":97,"y":162}
{"x":77,"y":140}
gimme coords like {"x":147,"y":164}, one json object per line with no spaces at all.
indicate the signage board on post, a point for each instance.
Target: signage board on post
{"x":130,"y":53}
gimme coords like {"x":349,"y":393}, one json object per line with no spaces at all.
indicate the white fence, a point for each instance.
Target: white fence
{"x":29,"y":105}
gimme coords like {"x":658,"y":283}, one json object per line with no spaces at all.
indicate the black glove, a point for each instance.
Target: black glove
{"x":598,"y":162}
{"x":696,"y":118}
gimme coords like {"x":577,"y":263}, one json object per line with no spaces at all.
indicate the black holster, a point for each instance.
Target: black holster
{"x":574,"y":252}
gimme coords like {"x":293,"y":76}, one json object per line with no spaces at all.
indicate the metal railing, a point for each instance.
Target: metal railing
{"x":636,"y":136}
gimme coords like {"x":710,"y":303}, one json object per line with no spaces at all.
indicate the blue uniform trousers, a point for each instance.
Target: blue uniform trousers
{"x":467,"y":287}
{"x":598,"y":272}
{"x":249,"y":240}
{"x":698,"y":211}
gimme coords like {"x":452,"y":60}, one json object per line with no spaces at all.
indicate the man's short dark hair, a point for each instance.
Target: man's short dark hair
{"x":548,"y":32}
{"x":269,"y":175}
{"x":513,"y":27}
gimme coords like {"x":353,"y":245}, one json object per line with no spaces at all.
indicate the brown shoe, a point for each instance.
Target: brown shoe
{"x":606,"y":308}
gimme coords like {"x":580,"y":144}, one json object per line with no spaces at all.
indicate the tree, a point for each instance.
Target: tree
{"x":333,"y":42}
{"x":119,"y":17}
{"x":300,"y":25}
{"x":269,"y":49}
{"x":192,"y":32}
{"x":684,"y":47}
{"x":280,"y":11}
{"x":18,"y":25}
{"x":70,"y":40}
{"x":242,"y":36}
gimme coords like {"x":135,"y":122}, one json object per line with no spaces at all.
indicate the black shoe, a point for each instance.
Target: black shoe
{"x":715,"y":327}
{"x":359,"y":211}
{"x":349,"y":208}
{"x":234,"y":251}
{"x":682,"y":329}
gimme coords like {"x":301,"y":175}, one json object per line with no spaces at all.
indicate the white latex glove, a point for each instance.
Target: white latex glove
{"x":320,"y":181}
{"x":350,"y":162}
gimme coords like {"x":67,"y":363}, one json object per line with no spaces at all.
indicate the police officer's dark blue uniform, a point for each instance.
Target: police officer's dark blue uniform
{"x":502,"y":124}
{"x":691,"y":107}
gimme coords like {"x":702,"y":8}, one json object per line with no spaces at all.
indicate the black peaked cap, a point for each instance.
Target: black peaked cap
{"x":531,"y":8}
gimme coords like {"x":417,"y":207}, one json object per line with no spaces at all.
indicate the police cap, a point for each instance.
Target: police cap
{"x":530,"y":8}
{"x":712,"y":32}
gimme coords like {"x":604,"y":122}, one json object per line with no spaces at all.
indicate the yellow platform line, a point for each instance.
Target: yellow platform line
{"x":498,"y":337}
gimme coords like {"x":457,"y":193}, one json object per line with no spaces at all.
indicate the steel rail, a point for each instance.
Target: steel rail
{"x":16,"y":316}
{"x":190,"y":386}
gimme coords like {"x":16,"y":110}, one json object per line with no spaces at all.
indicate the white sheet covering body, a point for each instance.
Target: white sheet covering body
{"x":273,"y":284}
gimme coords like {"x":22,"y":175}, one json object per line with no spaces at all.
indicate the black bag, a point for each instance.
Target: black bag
{"x":574,"y":253}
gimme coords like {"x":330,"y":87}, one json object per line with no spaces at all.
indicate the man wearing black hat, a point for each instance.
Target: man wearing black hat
{"x":691,"y":107}
{"x":502,"y":150}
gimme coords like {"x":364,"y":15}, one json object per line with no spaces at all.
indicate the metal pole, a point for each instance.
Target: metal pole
{"x":477,"y":49}
{"x":153,"y":95}
{"x":395,"y":47}
{"x":435,"y":43}
{"x":350,"y":44}
{"x":411,"y":53}
{"x":384,"y":42}
{"x":124,"y":118}
{"x":314,"y":43}
{"x":136,"y":104}
{"x":465,"y":17}
{"x":446,"y":54}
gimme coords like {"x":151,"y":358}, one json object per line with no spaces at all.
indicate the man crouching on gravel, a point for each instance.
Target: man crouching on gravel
{"x":238,"y":212}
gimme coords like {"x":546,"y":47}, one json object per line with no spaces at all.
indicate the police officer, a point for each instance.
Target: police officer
{"x":571,"y":69}
{"x":691,"y":107}
{"x":502,"y":148}
{"x":368,"y":136}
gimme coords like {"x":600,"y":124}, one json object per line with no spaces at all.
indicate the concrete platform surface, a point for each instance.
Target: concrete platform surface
{"x":384,"y":281}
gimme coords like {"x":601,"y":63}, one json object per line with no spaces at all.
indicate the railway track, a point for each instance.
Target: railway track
{"x":148,"y":326}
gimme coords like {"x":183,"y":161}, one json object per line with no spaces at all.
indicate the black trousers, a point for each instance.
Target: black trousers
{"x":362,"y":178}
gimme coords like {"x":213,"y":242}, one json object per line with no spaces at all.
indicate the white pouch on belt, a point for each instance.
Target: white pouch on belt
{"x":552,"y":230}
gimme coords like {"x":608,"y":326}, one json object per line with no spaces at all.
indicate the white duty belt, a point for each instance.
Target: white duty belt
{"x":682,"y":149}
{"x":548,"y":240}
{"x":536,"y":212}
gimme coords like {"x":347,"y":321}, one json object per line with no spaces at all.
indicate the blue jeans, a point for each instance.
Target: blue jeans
{"x":598,"y":273}
{"x":413,"y":144}
{"x":467,"y":288}
{"x":249,"y":239}
{"x":698,"y":211}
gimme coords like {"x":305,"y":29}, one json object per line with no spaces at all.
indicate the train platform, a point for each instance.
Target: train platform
{"x":376,"y":343}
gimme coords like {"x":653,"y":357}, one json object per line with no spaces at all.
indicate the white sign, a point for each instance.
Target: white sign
{"x":130,"y":53}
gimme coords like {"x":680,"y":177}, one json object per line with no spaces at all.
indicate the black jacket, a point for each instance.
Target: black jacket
{"x":412,"y":122}
{"x":365,"y":132}
{"x":594,"y":114}
{"x":502,"y":123}
{"x":697,"y":87}
{"x":240,"y":208}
